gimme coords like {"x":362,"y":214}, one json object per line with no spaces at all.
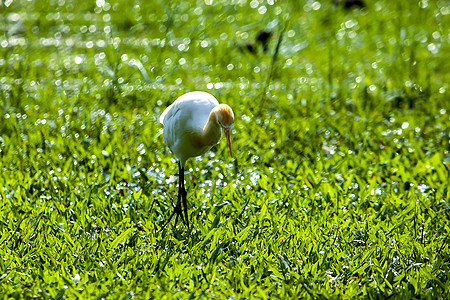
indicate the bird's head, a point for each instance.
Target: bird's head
{"x":225,"y":118}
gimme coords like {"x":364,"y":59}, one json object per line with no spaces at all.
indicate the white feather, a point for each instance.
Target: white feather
{"x":185,"y":117}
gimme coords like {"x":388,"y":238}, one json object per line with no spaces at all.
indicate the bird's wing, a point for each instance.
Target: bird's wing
{"x":163,"y":115}
{"x":186,"y":117}
{"x":192,"y":109}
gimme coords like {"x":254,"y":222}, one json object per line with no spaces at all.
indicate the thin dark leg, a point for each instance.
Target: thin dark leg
{"x":177,"y":209}
{"x":184,"y":195}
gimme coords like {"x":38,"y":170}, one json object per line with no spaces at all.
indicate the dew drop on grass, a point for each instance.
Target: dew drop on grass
{"x":171,"y":179}
{"x":254,"y":178}
{"x":433,"y":48}
{"x":76,"y":278}
{"x":423,"y":188}
{"x":316,"y":5}
{"x":78,"y":60}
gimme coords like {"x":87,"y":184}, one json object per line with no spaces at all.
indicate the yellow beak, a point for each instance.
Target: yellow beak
{"x":227,"y":132}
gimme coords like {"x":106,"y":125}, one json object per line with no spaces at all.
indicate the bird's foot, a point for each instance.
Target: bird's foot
{"x":176,"y":210}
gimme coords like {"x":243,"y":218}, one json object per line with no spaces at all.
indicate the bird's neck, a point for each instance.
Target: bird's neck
{"x":211,"y":131}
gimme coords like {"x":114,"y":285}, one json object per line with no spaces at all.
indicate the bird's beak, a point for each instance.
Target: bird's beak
{"x":227,"y":132}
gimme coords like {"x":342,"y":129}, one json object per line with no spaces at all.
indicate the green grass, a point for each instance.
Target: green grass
{"x":338,"y":187}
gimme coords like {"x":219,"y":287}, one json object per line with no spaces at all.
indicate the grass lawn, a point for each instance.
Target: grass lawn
{"x":339,"y":182}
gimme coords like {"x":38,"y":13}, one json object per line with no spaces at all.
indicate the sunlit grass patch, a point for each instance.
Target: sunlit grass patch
{"x":338,"y":186}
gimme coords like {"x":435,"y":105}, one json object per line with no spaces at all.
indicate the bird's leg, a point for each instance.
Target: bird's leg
{"x":184,"y":194}
{"x":177,"y":209}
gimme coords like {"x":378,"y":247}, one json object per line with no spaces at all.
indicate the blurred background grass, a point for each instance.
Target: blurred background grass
{"x":62,"y":60}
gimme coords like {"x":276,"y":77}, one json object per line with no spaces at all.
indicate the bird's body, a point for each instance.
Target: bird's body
{"x":184,"y":122}
{"x":192,"y":125}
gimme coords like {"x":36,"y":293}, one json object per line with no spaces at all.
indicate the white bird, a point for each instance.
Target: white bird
{"x":192,"y":125}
